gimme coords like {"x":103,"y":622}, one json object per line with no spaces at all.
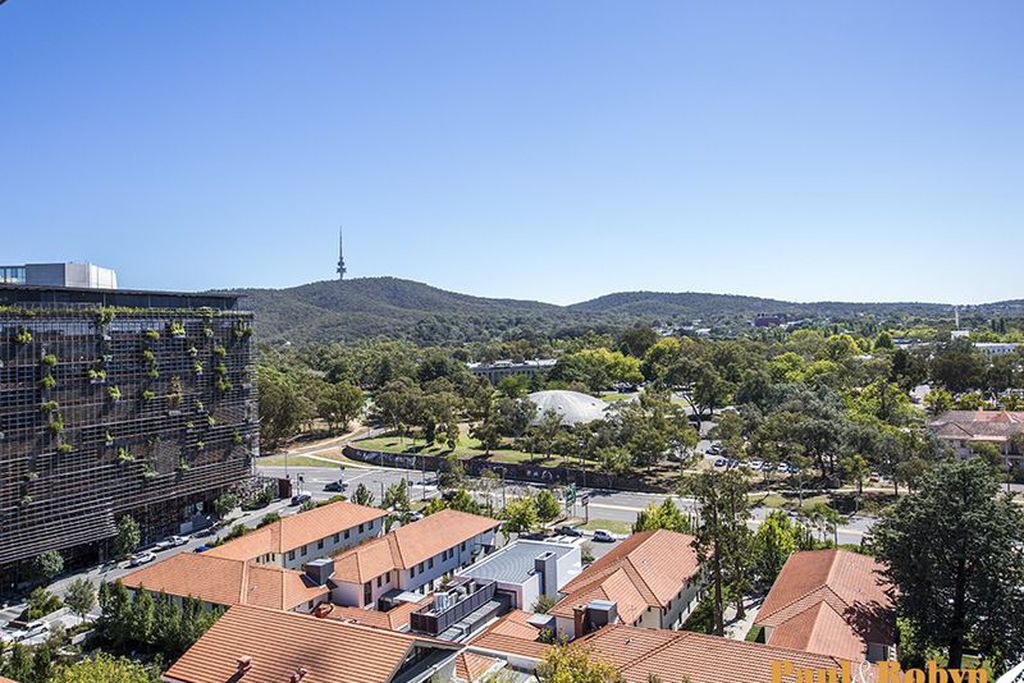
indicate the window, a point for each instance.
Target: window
{"x":336,"y":538}
{"x":412,"y":572}
{"x":463,"y":547}
{"x":360,"y":528}
{"x":430,"y":563}
{"x":304,"y":550}
{"x":320,"y":544}
{"x":291,"y":554}
{"x":379,"y":581}
{"x":346,"y":533}
{"x":421,"y":567}
{"x":388,"y":579}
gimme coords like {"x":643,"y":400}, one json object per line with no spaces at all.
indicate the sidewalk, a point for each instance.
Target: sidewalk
{"x":737,"y":629}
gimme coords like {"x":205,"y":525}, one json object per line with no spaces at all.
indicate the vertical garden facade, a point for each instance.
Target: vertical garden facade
{"x":118,"y":403}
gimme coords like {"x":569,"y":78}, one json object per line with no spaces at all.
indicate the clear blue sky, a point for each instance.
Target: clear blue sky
{"x":551,"y":150}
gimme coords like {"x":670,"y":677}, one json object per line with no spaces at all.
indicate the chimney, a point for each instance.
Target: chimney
{"x":320,"y":571}
{"x":243,"y":664}
{"x":546,"y":566}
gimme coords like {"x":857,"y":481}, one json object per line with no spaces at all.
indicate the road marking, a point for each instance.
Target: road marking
{"x":624,"y":508}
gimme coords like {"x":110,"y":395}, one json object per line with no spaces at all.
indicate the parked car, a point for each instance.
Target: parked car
{"x":783,"y":467}
{"x":336,"y":486}
{"x":141,"y":559}
{"x":603,"y":536}
{"x":163,"y":545}
{"x":566,"y":530}
{"x":714,"y":449}
{"x":203,"y":548}
{"x":300,"y":498}
{"x":720,"y":462}
{"x":756,"y":465}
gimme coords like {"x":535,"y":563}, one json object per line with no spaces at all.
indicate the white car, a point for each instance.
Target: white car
{"x":141,"y":559}
{"x":604,"y":536}
{"x":178,"y":540}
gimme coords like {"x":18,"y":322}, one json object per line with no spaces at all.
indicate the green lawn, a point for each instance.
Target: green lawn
{"x":295,"y":461}
{"x":614,"y":526}
{"x":467,"y":448}
{"x":614,"y":396}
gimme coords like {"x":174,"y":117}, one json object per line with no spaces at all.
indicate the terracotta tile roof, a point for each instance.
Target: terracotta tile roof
{"x":648,"y":569}
{"x":978,"y":425}
{"x":639,"y":653}
{"x":280,"y":643}
{"x":297,"y":530}
{"x":7,"y":680}
{"x":409,"y":545}
{"x":396,"y":619}
{"x":225,"y":582}
{"x":831,"y":602}
{"x":511,"y":634}
{"x":471,"y":667}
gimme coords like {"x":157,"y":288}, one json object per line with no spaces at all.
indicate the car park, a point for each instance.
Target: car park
{"x":141,"y":559}
{"x":603,"y":536}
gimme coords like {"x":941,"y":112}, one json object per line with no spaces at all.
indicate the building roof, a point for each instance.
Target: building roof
{"x":512,"y":634}
{"x":648,"y":569}
{"x":831,"y":602}
{"x":329,"y":651}
{"x":471,"y":667}
{"x":515,"y":562}
{"x":7,"y":680}
{"x":978,"y":425}
{"x":639,"y":653}
{"x":573,"y":407}
{"x":395,"y":619}
{"x":409,"y":545}
{"x":223,"y":581}
{"x":297,"y":530}
{"x":49,"y":295}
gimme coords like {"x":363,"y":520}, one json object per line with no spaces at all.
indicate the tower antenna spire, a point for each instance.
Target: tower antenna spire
{"x":341,"y":254}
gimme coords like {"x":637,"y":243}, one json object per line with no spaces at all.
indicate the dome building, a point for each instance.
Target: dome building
{"x":572,"y":406}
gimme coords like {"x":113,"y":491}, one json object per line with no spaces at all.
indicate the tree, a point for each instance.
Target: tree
{"x":143,"y":617}
{"x":362,"y":496}
{"x":664,"y":516}
{"x":339,"y":404}
{"x":855,"y":468}
{"x":520,"y":515}
{"x":452,"y":474}
{"x":547,"y":506}
{"x":544,"y":603}
{"x":396,"y":498}
{"x":224,"y":504}
{"x":938,"y":401}
{"x":18,"y":665}
{"x":954,"y":553}
{"x":774,"y":542}
{"x":128,"y":537}
{"x":48,"y":565}
{"x":80,"y":597}
{"x":280,"y":407}
{"x":635,"y":341}
{"x":574,"y":664}
{"x":103,"y":668}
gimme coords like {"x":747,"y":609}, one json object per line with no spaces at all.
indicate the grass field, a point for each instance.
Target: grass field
{"x":298,"y":461}
{"x":467,"y":448}
{"x":614,"y":526}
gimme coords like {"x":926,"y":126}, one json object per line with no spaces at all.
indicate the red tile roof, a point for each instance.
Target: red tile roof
{"x":831,"y":602}
{"x":472,"y":667}
{"x":396,"y":619}
{"x":226,"y":582}
{"x":512,"y":634}
{"x":409,"y":545}
{"x":297,"y":530}
{"x":648,"y":569}
{"x":280,"y":643}
{"x":978,"y":425}
{"x":639,"y":653}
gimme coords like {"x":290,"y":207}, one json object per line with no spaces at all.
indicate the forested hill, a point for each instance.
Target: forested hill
{"x":365,"y":308}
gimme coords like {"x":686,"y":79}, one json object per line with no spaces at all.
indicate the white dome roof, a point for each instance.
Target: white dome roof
{"x":572,"y":406}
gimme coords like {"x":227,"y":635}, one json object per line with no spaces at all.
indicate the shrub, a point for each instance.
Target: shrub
{"x":64,"y":448}
{"x":23,"y":336}
{"x":40,"y":603}
{"x":49,"y":360}
{"x":148,"y":395}
{"x":47,"y":382}
{"x":114,"y":393}
{"x":124,"y":454}
{"x":152,"y":334}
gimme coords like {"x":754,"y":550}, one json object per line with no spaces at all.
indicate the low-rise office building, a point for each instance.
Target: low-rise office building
{"x":220,"y":582}
{"x":500,"y":369}
{"x":526,"y":570}
{"x":962,"y":429}
{"x":412,"y":558}
{"x":294,"y":541}
{"x":652,"y":579}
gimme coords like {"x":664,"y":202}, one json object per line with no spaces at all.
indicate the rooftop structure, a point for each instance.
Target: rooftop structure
{"x":471,"y":667}
{"x":223,"y":582}
{"x":651,"y":579}
{"x":830,"y":602}
{"x":118,"y":403}
{"x":528,"y":569}
{"x":640,"y":654}
{"x":256,"y":645}
{"x":296,"y":539}
{"x":395,"y":619}
{"x":84,"y":275}
{"x":572,"y":406}
{"x":515,"y":636}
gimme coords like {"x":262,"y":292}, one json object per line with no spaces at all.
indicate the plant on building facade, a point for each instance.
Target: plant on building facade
{"x":236,"y":438}
{"x":49,"y":406}
{"x":198,"y":367}
{"x":97,"y":375}
{"x":124,"y":454}
{"x":175,"y":392}
{"x":148,"y":471}
{"x":208,"y":331}
{"x":56,"y":423}
{"x":176,"y":328}
{"x":49,"y":360}
{"x":23,"y":337}
{"x":47,"y":382}
{"x":200,"y":445}
{"x":148,"y":395}
{"x":220,"y":351}
{"x":223,"y":385}
{"x":104,"y":316}
{"x":108,"y":438}
{"x":211,"y":420}
{"x":65,"y":448}
{"x":241,"y":330}
{"x":152,"y":334}
{"x":183,"y":465}
{"x":114,"y":393}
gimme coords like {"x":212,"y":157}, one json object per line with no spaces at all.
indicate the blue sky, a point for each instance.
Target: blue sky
{"x":550,"y":150}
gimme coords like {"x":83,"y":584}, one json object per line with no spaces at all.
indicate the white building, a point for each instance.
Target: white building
{"x":528,"y":569}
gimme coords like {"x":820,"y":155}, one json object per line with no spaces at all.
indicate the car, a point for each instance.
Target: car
{"x":141,"y":559}
{"x":566,"y":530}
{"x":163,"y":545}
{"x":714,"y":449}
{"x":300,"y":498}
{"x":720,"y":462}
{"x":604,"y":536}
{"x":203,"y":548}
{"x":31,"y":630}
{"x":336,"y":486}
{"x":794,"y":470}
{"x":756,"y":465}
{"x":783,"y":467}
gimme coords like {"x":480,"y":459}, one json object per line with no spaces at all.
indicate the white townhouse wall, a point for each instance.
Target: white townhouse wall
{"x":330,"y":545}
{"x":412,"y":558}
{"x":528,"y":569}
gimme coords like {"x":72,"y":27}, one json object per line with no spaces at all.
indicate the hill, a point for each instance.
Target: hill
{"x":364,"y":308}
